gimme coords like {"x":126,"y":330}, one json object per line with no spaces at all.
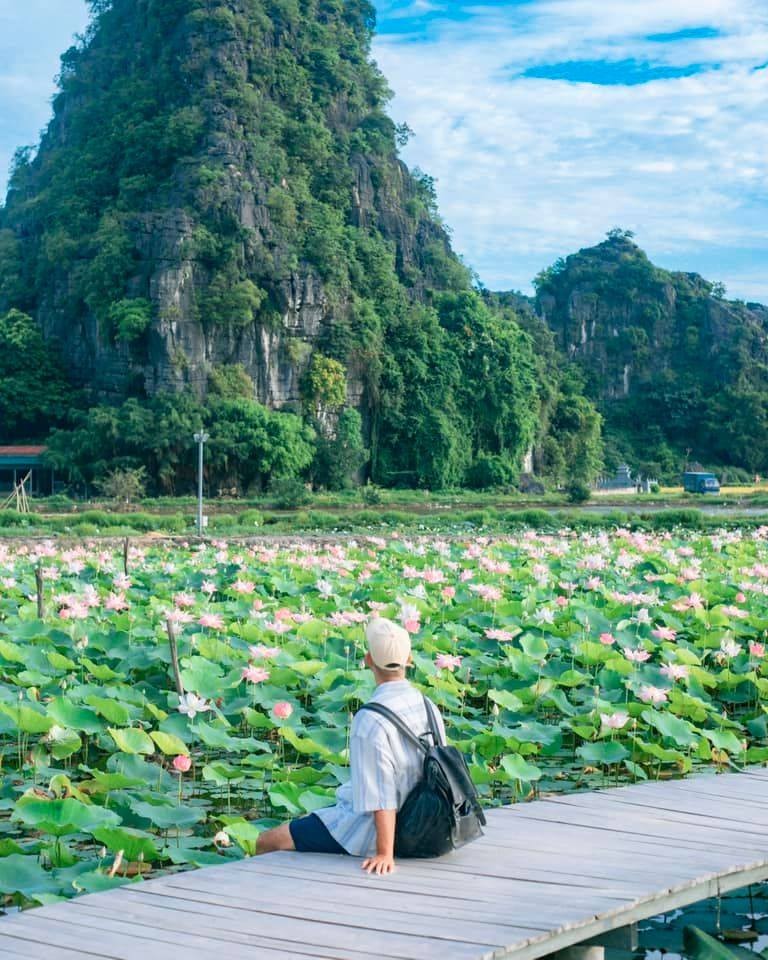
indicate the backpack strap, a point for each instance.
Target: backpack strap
{"x":434,"y":727}
{"x":401,"y":726}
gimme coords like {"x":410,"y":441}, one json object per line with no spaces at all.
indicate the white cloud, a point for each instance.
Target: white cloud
{"x":532,"y":169}
{"x":33,"y":35}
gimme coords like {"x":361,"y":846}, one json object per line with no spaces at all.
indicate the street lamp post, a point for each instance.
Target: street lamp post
{"x":200,"y":439}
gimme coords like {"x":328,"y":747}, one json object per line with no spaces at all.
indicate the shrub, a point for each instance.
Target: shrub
{"x":490,"y":470}
{"x":370,"y":494}
{"x":289,"y":493}
{"x":251,"y":518}
{"x":578,"y":491}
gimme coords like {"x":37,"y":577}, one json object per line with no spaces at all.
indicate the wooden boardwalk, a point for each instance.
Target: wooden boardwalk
{"x":547,"y":875}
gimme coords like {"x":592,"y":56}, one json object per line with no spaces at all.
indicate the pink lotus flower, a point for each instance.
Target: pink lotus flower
{"x":503,"y":636}
{"x":282,"y":710}
{"x":614,"y":721}
{"x":283,"y":614}
{"x":445,"y":661}
{"x":448,"y":593}
{"x":212,"y":620}
{"x":183,"y":600}
{"x":432,"y":575}
{"x":182,"y":763}
{"x":562,"y":601}
{"x":650,"y":694}
{"x":675,"y":671}
{"x":740,"y":598}
{"x":412,"y":625}
{"x":593,"y":583}
{"x":208,"y":586}
{"x":607,"y":639}
{"x":637,"y":656}
{"x":277,"y":626}
{"x":243,"y":587}
{"x":664,"y":633}
{"x":179,"y":616}
{"x":115,"y":601}
{"x":257,"y":605}
{"x":260,"y":652}
{"x":757,"y":649}
{"x":255,"y":674}
{"x":736,"y":612}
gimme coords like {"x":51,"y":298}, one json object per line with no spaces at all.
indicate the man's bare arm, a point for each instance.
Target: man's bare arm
{"x":384,"y":861}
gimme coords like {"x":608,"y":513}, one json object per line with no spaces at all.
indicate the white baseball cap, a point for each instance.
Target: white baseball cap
{"x":388,"y":644}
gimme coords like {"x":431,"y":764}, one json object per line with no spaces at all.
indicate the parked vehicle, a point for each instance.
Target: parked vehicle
{"x":700,"y":482}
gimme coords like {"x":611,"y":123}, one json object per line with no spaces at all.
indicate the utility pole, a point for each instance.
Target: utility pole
{"x":200,"y":439}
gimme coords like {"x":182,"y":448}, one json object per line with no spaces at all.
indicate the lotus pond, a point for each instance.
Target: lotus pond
{"x":561,"y":662}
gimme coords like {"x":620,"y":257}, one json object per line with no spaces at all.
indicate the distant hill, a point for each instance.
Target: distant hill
{"x":671,"y":363}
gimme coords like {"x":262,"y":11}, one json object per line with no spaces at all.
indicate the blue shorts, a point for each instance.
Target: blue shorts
{"x":310,"y":835}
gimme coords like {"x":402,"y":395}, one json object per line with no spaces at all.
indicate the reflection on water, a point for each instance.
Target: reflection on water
{"x":739,"y":919}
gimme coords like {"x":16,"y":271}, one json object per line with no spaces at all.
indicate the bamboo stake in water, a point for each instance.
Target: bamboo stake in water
{"x":40,"y":599}
{"x":172,"y":642}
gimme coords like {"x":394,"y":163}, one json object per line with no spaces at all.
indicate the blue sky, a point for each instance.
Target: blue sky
{"x":545,"y":122}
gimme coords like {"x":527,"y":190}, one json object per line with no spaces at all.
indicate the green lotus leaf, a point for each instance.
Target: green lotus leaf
{"x":520,"y":769}
{"x":75,"y":717}
{"x":167,"y":816}
{"x":602,"y":753}
{"x":100,"y":670}
{"x":535,"y":647}
{"x":112,"y":710}
{"x":222,"y":773}
{"x":724,"y":740}
{"x":135,"y":844}
{"x":672,"y":727}
{"x":132,"y":740}
{"x":27,"y":719}
{"x":244,"y":834}
{"x":23,"y":875}
{"x":62,"y":817}
{"x":169,"y":744}
{"x":97,"y":881}
{"x":62,"y":743}
{"x":506,"y":700}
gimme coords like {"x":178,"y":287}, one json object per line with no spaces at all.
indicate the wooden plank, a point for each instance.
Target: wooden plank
{"x":13,"y":948}
{"x":118,"y":939}
{"x":229,"y":944}
{"x":238,"y":889}
{"x":303,"y":907}
{"x":174,"y":913}
{"x":612,"y":817}
{"x":548,"y":875}
{"x":420,"y":877}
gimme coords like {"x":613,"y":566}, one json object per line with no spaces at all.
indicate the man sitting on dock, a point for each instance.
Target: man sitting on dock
{"x":385,"y":766}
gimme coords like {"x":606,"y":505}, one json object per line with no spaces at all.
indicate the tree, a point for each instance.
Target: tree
{"x":340,"y":456}
{"x":123,"y":486}
{"x":34,"y":390}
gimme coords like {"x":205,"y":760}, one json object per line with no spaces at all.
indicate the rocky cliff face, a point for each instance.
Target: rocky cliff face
{"x":671,"y":364}
{"x":211,"y":171}
{"x":630,"y":325}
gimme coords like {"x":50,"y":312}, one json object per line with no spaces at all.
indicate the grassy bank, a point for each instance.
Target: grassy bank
{"x":254,"y":522}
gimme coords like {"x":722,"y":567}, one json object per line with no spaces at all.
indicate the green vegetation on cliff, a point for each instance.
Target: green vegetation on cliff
{"x":219,"y":186}
{"x":677,"y":371}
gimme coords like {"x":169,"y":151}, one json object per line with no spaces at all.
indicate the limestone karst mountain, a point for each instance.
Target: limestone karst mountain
{"x":219,"y":186}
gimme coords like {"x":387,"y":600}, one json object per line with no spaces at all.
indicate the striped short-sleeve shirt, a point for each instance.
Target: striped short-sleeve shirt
{"x":385,"y":767}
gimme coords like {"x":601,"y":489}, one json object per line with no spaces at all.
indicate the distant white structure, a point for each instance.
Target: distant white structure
{"x":623,"y":482}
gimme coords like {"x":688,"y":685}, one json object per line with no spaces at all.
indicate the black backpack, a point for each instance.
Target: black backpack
{"x":442,"y":812}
